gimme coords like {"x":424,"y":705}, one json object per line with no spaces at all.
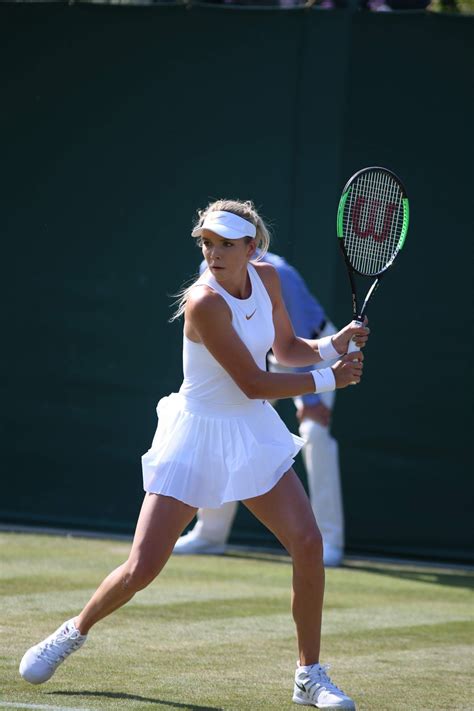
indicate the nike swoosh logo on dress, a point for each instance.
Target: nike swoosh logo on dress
{"x":249,"y":317}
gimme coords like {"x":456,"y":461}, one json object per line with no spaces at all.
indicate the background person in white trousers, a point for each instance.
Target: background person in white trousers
{"x":320,"y":451}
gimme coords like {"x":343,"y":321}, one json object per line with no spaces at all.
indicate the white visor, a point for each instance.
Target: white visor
{"x":226,"y":224}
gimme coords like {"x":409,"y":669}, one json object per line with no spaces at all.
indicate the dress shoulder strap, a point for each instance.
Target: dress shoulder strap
{"x":208,"y":279}
{"x":258,"y":287}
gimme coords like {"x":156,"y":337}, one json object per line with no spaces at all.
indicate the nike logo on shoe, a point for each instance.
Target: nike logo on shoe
{"x":301,"y":686}
{"x":249,"y":317}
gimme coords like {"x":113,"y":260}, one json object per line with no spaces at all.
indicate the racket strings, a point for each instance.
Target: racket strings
{"x":373,"y":236}
{"x":373,"y":221}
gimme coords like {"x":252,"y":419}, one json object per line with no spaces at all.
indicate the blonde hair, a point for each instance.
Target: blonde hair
{"x":242,"y":208}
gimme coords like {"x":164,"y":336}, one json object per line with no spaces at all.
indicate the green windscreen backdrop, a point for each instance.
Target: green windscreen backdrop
{"x":117,"y":123}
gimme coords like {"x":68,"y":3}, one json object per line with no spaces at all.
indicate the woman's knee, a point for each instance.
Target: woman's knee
{"x":308,"y":549}
{"x":138,"y":573}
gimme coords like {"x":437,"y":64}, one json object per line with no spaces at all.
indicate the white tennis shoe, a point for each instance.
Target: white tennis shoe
{"x":41,"y":661}
{"x":194,"y":544}
{"x":313,"y":687}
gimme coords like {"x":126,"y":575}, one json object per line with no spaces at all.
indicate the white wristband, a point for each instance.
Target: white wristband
{"x":326,"y":349}
{"x":324,"y":380}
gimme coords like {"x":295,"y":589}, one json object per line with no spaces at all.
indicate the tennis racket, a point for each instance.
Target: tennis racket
{"x":372,"y":225}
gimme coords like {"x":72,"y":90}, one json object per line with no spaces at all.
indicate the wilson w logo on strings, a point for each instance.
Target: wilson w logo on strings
{"x":370,"y":215}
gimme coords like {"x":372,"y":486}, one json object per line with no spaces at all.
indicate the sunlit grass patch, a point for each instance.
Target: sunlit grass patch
{"x":216,"y":632}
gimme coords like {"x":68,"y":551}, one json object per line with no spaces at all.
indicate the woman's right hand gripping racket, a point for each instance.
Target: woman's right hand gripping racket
{"x":372,"y":224}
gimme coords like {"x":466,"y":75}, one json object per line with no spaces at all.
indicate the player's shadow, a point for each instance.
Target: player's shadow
{"x":135,"y":697}
{"x":451,"y":578}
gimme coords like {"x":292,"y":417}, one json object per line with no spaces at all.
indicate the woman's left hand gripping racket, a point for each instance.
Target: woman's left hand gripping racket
{"x":372,"y":224}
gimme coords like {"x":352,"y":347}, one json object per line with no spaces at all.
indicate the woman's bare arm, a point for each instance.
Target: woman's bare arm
{"x":209,"y":319}
{"x":289,"y":349}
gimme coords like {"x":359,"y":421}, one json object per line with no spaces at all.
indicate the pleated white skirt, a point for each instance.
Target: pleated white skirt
{"x":206,"y":454}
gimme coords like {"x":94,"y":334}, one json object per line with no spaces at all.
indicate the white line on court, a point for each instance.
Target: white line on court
{"x":14,"y":705}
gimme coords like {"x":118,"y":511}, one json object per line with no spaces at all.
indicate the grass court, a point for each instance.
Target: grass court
{"x":216,"y":634}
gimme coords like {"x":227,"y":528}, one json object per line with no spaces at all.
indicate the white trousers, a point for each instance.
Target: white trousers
{"x":321,"y":459}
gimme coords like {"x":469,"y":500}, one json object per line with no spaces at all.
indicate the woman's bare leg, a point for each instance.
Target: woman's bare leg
{"x":286,"y":511}
{"x":161,"y":522}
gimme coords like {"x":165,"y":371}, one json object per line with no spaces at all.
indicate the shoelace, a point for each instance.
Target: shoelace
{"x":50,"y":652}
{"x":323,"y":680}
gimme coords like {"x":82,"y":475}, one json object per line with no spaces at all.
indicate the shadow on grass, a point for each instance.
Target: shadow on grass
{"x":135,"y":697}
{"x":426,"y":573}
{"x":430,"y":577}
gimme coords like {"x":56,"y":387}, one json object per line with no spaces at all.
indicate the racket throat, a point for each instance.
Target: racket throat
{"x":370,"y":293}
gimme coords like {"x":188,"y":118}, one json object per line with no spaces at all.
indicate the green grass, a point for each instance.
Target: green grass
{"x":216,"y":632}
{"x":452,"y":6}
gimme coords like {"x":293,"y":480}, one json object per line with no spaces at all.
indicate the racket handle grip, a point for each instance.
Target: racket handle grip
{"x":352,"y":346}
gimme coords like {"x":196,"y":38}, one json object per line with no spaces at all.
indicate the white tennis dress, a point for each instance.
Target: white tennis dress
{"x":213,"y":444}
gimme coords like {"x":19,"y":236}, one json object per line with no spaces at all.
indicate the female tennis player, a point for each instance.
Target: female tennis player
{"x":218,"y":439}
